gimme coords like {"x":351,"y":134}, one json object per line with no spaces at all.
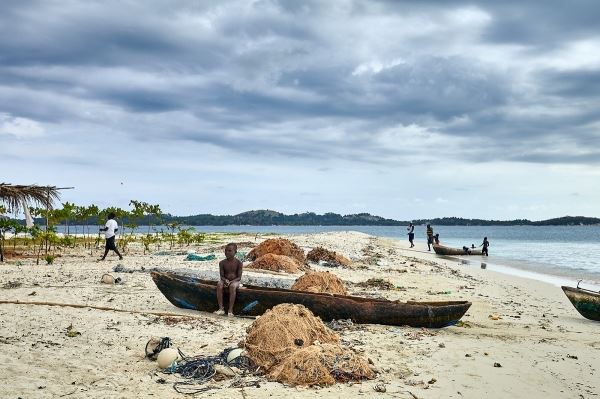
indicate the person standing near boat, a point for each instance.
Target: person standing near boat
{"x":230,"y":272}
{"x":429,"y":237}
{"x":485,"y":244}
{"x":411,"y":234}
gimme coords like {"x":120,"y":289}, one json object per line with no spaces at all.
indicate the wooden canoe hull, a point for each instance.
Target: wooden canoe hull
{"x":586,"y":302}
{"x":443,"y":250}
{"x":189,"y":292}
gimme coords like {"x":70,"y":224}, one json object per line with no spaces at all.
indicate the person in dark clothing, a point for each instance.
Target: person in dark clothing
{"x":485,"y":244}
{"x":429,"y":237}
{"x":411,"y":234}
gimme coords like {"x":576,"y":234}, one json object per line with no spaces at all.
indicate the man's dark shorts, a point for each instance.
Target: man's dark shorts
{"x":429,"y":240}
{"x":110,"y":243}
{"x":411,"y":236}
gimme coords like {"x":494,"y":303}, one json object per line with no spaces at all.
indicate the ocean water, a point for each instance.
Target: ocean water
{"x":557,"y":254}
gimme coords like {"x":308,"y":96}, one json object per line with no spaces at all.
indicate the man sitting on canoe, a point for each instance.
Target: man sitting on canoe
{"x":230,"y":271}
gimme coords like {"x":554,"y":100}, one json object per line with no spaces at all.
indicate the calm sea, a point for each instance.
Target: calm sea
{"x":557,"y":254}
{"x":568,"y":253}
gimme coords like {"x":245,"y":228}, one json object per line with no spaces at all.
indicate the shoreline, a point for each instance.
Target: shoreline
{"x":505,"y":266}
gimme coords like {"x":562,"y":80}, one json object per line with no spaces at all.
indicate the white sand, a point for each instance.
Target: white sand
{"x":546,"y":349}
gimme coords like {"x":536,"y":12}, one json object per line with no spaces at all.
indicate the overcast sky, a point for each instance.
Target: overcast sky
{"x":405,"y":110}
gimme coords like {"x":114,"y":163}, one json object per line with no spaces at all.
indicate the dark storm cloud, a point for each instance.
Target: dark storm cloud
{"x":577,"y":84}
{"x":306,"y":80}
{"x":545,"y":24}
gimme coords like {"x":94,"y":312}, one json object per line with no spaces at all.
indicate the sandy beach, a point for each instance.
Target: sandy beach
{"x":521,"y":338}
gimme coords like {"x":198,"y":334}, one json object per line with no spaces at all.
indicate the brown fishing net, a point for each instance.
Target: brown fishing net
{"x":277,"y":246}
{"x":277,"y":263}
{"x":281,"y":331}
{"x":323,"y":282}
{"x":322,"y":364}
{"x":377,"y":283}
{"x":320,"y":253}
{"x":295,"y":347}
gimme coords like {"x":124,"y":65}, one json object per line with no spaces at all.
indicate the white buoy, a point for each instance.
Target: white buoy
{"x":235,"y":353}
{"x":166,"y":357}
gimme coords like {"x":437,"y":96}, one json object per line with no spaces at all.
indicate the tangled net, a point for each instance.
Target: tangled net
{"x":277,"y":246}
{"x":295,"y":347}
{"x":281,"y":331}
{"x":377,"y":283}
{"x":323,"y":282}
{"x":322,"y":364}
{"x":277,"y":263}
{"x":321,"y":254}
{"x":201,"y":369}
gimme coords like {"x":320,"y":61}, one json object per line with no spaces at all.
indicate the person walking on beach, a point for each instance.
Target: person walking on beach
{"x":230,"y":272}
{"x":411,"y":234}
{"x":429,"y":237}
{"x":110,"y":234}
{"x":485,"y":244}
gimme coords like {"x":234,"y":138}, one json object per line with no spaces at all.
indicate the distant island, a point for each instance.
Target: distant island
{"x":270,"y":218}
{"x":273,"y":218}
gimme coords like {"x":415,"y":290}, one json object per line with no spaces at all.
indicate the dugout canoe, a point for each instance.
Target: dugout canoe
{"x":443,"y":250}
{"x":585,"y":301}
{"x":190,"y":292}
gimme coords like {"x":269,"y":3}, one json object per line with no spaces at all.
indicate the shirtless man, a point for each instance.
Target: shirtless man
{"x":230,"y":271}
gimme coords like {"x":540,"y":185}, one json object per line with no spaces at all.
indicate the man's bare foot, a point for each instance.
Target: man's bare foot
{"x":230,"y":314}
{"x":220,"y":312}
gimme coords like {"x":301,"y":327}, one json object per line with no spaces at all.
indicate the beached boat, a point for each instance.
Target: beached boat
{"x":443,"y":250}
{"x":189,"y":292}
{"x":585,"y":301}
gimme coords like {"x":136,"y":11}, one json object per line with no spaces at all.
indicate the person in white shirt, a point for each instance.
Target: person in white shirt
{"x":110,"y":233}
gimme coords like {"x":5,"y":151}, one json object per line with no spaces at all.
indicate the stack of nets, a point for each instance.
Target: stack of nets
{"x":330,"y":257}
{"x":295,"y":347}
{"x":323,"y":282}
{"x":277,"y":246}
{"x":277,"y":263}
{"x":322,"y":364}
{"x":277,"y":254}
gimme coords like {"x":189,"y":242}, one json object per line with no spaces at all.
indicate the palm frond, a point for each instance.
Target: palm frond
{"x":14,"y":195}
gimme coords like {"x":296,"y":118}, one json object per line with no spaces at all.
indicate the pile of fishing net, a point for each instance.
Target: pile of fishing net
{"x":330,"y":257}
{"x":323,"y":282}
{"x":322,"y":364}
{"x":377,"y":283}
{"x":277,"y":263}
{"x":277,"y":246}
{"x":293,"y":346}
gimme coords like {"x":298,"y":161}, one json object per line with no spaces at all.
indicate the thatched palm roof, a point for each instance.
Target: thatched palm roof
{"x":14,"y":195}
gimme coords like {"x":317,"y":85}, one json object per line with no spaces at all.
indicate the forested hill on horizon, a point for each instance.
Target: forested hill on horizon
{"x":274,"y":218}
{"x":268,"y":218}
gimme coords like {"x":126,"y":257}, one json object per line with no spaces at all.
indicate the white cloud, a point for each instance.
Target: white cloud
{"x":21,"y":128}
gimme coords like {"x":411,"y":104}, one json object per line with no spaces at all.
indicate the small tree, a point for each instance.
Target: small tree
{"x":6,"y":225}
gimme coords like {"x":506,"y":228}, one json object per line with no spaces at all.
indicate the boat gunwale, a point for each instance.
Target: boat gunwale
{"x":579,"y":290}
